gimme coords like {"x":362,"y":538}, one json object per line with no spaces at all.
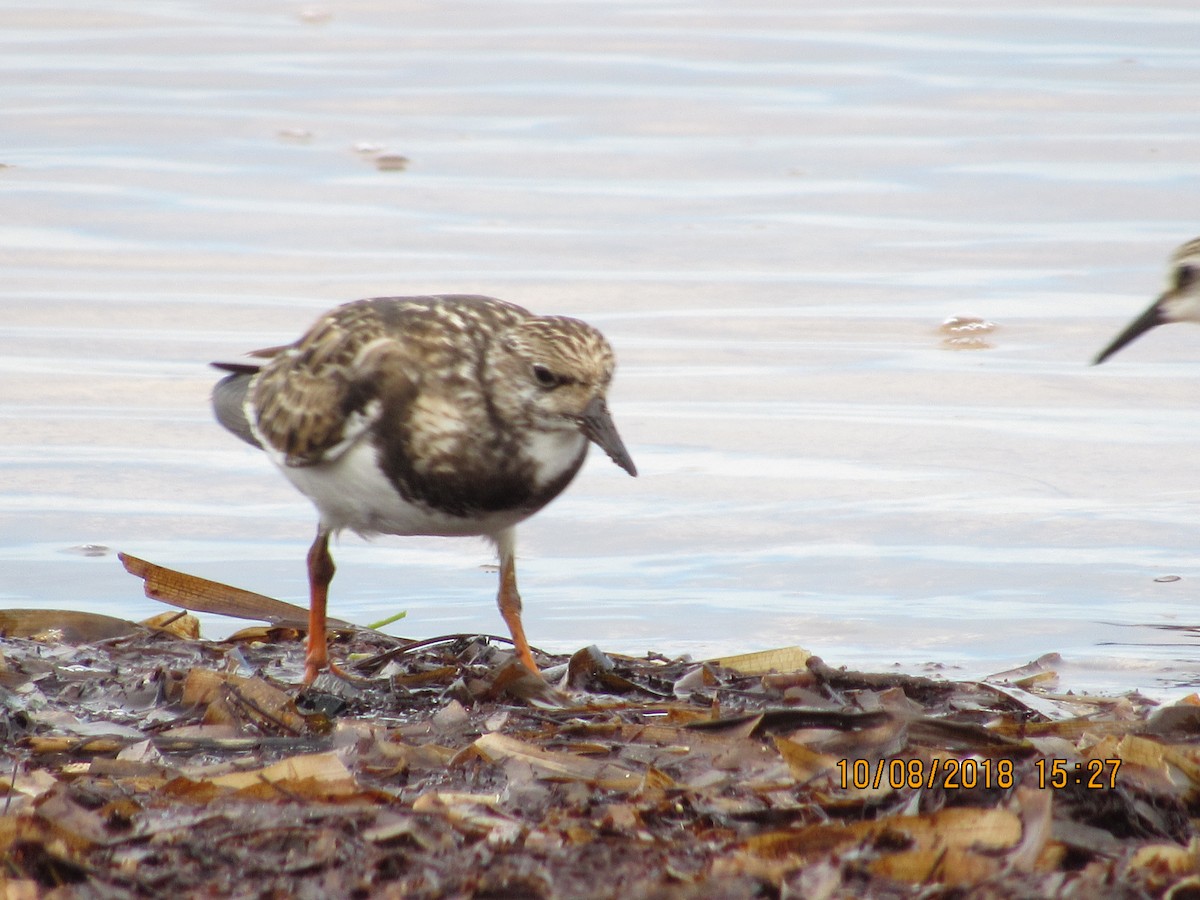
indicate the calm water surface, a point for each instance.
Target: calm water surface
{"x":769,"y":208}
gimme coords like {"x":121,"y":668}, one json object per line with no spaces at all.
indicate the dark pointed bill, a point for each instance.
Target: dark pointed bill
{"x":598,"y":425}
{"x":1149,"y":319}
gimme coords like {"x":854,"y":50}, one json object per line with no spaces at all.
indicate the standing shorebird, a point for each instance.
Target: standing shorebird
{"x":1180,"y":302}
{"x":439,"y":415}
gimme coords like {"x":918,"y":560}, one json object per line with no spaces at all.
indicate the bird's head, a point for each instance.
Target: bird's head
{"x":1180,"y":302}
{"x":561,"y":369}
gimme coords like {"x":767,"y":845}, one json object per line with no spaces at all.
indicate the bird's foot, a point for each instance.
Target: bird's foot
{"x":314,"y":665}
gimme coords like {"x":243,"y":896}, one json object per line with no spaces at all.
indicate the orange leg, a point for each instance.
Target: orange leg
{"x":509,"y":602}
{"x":320,"y":573}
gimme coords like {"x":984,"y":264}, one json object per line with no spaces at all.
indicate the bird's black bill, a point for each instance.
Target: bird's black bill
{"x":1151,"y":318}
{"x":598,"y":426}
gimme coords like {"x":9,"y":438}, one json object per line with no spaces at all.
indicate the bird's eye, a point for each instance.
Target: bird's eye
{"x":545,"y":377}
{"x":1184,"y":276}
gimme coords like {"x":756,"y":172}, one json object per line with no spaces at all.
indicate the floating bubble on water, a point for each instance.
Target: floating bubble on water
{"x":966,"y":333}
{"x":315,"y":15}
{"x":1166,"y":578}
{"x":295,"y":135}
{"x":391,"y":162}
{"x":88,"y":550}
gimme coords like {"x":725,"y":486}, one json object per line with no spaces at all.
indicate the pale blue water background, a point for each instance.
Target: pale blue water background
{"x":768,"y":207}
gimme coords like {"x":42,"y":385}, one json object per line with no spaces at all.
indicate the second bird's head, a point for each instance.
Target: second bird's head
{"x":1180,"y":302}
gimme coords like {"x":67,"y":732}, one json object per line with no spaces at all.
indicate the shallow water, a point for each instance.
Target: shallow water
{"x":769,"y":209}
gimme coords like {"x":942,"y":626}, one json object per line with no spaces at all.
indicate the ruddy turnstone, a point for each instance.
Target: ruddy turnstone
{"x":1180,"y":302}
{"x":438,"y":415}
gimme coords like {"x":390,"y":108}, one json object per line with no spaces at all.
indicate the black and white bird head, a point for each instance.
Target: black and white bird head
{"x":1180,"y":302}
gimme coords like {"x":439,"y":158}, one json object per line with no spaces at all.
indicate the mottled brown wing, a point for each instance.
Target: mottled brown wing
{"x":315,"y":398}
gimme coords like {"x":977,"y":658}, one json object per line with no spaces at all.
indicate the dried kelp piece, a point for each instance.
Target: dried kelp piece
{"x":476,"y":814}
{"x":1042,"y":671}
{"x":763,"y":662}
{"x":966,"y":737}
{"x":408,"y":828}
{"x":455,"y":645}
{"x":218,"y":743}
{"x":550,"y":764}
{"x":178,"y":624}
{"x":267,"y":634}
{"x":30,"y":784}
{"x":86,"y":746}
{"x":48,"y":845}
{"x":947,"y":847}
{"x":63,"y":625}
{"x":919,"y":688}
{"x":201,"y":595}
{"x":1034,"y":807}
{"x":591,"y":669}
{"x":1050,"y":709}
{"x":77,"y":826}
{"x":965,"y":827}
{"x":1180,"y":721}
{"x":731,"y":726}
{"x":326,"y":770}
{"x":1162,"y":865}
{"x":773,"y":720}
{"x":698,"y":679}
{"x":514,"y":680}
{"x":236,"y":700}
{"x":804,"y":763}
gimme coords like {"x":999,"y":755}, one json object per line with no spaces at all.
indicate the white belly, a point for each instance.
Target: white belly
{"x":351,"y":492}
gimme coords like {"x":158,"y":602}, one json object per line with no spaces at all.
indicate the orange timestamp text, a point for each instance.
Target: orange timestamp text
{"x":1090,"y":774}
{"x":970,"y":773}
